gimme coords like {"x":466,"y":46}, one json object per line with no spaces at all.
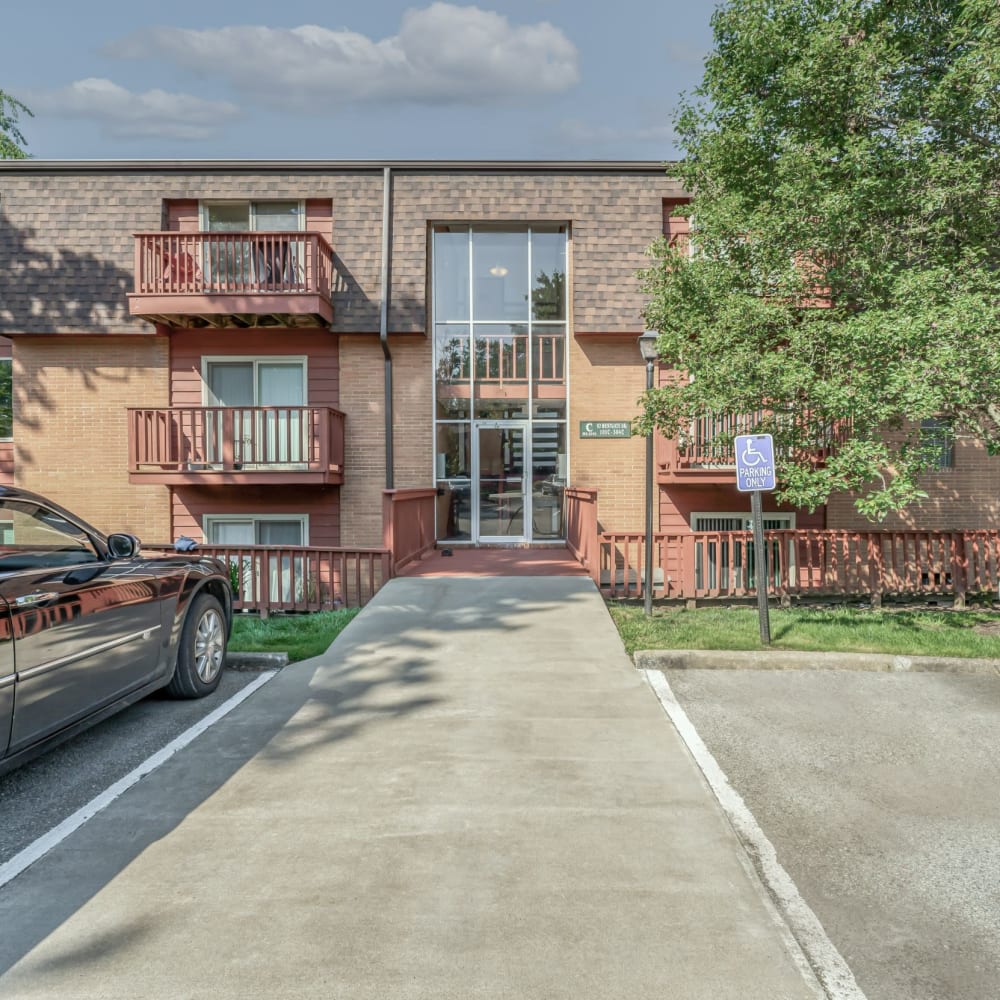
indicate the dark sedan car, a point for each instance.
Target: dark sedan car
{"x":88,"y":626}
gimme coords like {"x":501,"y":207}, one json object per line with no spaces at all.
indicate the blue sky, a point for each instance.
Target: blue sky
{"x":504,"y":79}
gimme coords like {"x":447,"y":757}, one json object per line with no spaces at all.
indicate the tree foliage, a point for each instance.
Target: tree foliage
{"x":12,"y":141}
{"x":844,"y":269}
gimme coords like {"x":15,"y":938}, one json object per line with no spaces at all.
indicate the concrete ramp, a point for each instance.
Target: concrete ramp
{"x":471,"y":794}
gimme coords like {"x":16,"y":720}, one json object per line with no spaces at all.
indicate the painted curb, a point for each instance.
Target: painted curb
{"x":256,"y":661}
{"x":786,"y":659}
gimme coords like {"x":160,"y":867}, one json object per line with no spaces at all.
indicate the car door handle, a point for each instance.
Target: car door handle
{"x":38,"y":597}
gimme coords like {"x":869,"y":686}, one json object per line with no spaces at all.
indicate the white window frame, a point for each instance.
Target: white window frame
{"x":532,"y":325}
{"x":255,"y":359}
{"x":742,"y":515}
{"x":203,"y":207}
{"x":209,"y":520}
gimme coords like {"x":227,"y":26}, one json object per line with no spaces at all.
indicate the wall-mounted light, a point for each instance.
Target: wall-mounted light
{"x":498,"y":271}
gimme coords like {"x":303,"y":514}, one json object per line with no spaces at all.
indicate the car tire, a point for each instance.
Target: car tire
{"x":202,"y":653}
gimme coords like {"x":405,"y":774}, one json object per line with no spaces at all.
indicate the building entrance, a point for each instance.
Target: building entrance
{"x":501,"y":504}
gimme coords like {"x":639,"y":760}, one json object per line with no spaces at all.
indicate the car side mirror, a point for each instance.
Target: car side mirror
{"x":122,"y":545}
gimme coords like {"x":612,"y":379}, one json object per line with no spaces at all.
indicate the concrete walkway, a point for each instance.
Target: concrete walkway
{"x":471,"y":794}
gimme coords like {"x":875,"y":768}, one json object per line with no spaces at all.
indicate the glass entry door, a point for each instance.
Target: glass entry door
{"x":501,"y":504}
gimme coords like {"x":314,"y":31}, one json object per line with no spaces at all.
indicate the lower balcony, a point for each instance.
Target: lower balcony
{"x":706,"y":455}
{"x":238,"y":445}
{"x":225,"y":280}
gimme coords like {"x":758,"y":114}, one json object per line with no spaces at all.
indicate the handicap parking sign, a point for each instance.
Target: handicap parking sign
{"x":754,"y":462}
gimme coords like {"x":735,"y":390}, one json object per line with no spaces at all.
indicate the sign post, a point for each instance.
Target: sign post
{"x":754,"y":474}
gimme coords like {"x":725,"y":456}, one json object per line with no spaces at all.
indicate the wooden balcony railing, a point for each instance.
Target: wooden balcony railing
{"x":238,"y":444}
{"x":705,"y":452}
{"x":244,"y":279}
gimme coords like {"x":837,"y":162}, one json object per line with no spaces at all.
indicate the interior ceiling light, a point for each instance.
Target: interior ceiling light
{"x":498,"y":270}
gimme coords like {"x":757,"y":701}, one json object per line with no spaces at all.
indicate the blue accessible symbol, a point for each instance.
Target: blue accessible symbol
{"x":755,"y":463}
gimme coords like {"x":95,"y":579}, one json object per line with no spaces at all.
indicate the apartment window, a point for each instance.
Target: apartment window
{"x":241,"y":381}
{"x":6,"y":399}
{"x":252,"y":216}
{"x":273,"y":261}
{"x":729,"y":563}
{"x":739,"y":522}
{"x":937,"y":438}
{"x":235,"y":531}
{"x":271,"y":425}
{"x":285,"y":573}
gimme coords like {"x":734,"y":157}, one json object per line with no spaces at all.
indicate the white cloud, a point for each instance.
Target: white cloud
{"x":687,"y":54}
{"x":124,"y":115}
{"x":443,"y":54}
{"x":584,"y":133}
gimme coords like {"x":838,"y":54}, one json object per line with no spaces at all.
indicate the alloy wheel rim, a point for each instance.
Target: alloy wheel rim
{"x":208,"y":646}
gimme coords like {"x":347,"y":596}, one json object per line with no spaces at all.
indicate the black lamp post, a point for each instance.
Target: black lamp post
{"x":647,"y":347}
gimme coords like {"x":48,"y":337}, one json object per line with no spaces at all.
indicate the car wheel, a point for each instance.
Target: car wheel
{"x":202,"y":653}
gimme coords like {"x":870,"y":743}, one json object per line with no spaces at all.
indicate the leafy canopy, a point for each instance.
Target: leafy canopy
{"x":12,"y":141}
{"x":844,"y":270}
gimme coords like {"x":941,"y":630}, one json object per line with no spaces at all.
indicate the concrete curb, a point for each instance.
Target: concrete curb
{"x":783,"y":659}
{"x":256,"y":661}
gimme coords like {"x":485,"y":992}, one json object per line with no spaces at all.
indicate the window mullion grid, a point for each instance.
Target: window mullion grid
{"x":472,"y":336}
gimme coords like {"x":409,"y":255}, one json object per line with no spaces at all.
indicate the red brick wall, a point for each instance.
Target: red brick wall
{"x":607,"y":377}
{"x":71,"y":430}
{"x":964,"y":497}
{"x":6,"y":447}
{"x":362,"y":393}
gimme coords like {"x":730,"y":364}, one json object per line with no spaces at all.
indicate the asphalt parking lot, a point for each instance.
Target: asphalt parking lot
{"x":880,"y":795}
{"x":42,"y":793}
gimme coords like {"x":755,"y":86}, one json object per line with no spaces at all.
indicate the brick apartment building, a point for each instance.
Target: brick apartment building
{"x":208,"y":349}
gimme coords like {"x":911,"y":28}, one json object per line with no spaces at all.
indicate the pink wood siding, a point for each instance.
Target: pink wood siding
{"x":190,"y":505}
{"x":182,"y":216}
{"x":319,"y":217}
{"x":188,"y":347}
{"x":675,"y":227}
{"x":677,"y":505}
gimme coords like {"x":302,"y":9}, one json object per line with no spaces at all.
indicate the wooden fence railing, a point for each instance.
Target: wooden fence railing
{"x":408,"y":524}
{"x":803,"y":562}
{"x":582,"y":538}
{"x":301,"y":578}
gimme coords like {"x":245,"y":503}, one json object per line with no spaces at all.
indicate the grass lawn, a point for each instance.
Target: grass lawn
{"x":301,"y":636}
{"x":923,"y":632}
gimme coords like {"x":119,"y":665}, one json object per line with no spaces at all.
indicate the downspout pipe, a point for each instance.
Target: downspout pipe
{"x":383,"y":331}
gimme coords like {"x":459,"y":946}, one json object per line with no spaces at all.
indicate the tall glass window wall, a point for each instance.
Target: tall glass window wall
{"x":499,"y":306}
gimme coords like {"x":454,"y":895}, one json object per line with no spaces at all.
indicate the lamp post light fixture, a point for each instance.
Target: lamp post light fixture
{"x":647,"y":347}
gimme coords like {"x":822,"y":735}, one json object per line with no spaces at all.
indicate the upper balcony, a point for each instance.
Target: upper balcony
{"x":242,"y":279}
{"x":236,"y":445}
{"x":705,"y":455}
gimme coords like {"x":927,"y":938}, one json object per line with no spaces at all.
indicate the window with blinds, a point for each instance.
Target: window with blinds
{"x":740,"y":522}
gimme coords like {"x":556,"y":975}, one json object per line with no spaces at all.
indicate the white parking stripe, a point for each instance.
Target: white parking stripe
{"x":818,"y":950}
{"x":57,"y":834}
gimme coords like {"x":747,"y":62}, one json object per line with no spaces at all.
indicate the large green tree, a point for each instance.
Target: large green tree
{"x":844,"y":264}
{"x":12,"y":141}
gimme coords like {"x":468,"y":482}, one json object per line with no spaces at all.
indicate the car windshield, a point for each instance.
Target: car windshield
{"x":33,"y":536}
